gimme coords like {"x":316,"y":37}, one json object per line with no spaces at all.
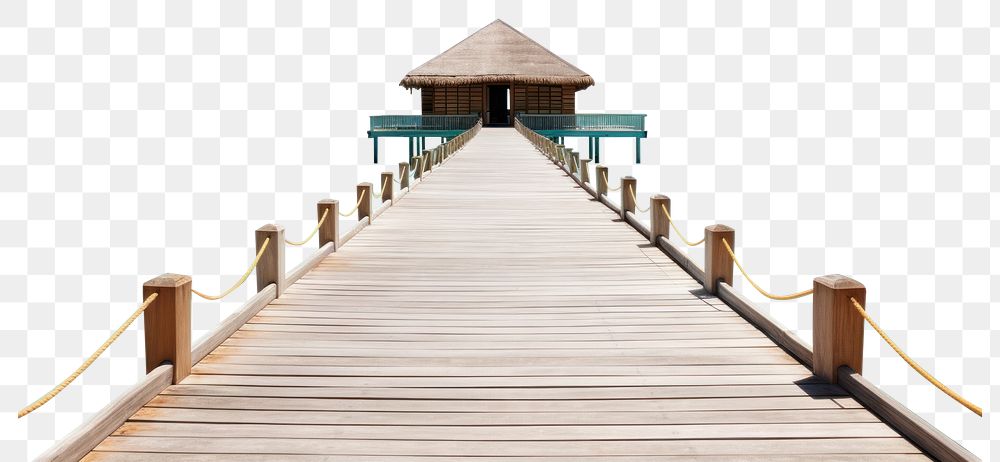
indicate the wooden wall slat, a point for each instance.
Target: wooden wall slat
{"x":537,"y":99}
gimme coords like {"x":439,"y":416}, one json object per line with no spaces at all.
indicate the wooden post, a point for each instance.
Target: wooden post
{"x":628,"y":188}
{"x":167,"y":322}
{"x":584,"y":169}
{"x":271,"y":267}
{"x":404,"y":175}
{"x":560,"y":149}
{"x":838,"y":329}
{"x":418,"y":167}
{"x":658,"y":223}
{"x":428,"y":160}
{"x":574,"y":162}
{"x":718,"y":262}
{"x":365,"y":208}
{"x":329,"y":231}
{"x":387,"y":187}
{"x":602,"y":180}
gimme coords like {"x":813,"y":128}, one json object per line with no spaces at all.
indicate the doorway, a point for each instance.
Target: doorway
{"x":498,"y":105}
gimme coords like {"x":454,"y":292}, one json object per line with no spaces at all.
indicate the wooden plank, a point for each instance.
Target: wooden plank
{"x":503,"y":432}
{"x":572,"y":355}
{"x":212,"y":445}
{"x":818,"y":390}
{"x":170,"y":457}
{"x":464,"y":371}
{"x":419,"y":337}
{"x":87,"y":436}
{"x":454,"y":405}
{"x":770,"y":357}
{"x":472,"y":382}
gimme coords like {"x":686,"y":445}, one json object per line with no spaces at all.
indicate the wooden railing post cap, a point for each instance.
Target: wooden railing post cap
{"x":838,"y":281}
{"x":271,"y":228}
{"x":660,"y":197}
{"x":719,"y":229}
{"x":168,"y":280}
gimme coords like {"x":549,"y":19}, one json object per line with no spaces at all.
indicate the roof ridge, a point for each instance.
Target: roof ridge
{"x":490,"y":55}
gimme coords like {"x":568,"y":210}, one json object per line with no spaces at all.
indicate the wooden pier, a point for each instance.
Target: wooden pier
{"x":497,"y":310}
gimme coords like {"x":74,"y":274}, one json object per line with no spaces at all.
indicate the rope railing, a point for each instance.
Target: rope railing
{"x":384,"y":184}
{"x":609,"y":185}
{"x":719,"y":272}
{"x":913,"y":364}
{"x":243,"y":279}
{"x":90,"y":360}
{"x":677,"y":230}
{"x":311,"y":234}
{"x":635,"y":200}
{"x":355,"y":209}
{"x":864,"y":314}
{"x":763,"y":292}
{"x":417,"y":167}
{"x":452,"y":145}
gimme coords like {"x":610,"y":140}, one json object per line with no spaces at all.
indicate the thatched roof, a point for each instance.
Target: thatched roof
{"x":497,"y":53}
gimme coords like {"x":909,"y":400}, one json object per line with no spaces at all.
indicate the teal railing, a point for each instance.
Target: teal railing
{"x":538,"y":122}
{"x":423,"y":122}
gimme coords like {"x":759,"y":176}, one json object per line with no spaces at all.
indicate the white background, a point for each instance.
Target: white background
{"x":836,"y":137}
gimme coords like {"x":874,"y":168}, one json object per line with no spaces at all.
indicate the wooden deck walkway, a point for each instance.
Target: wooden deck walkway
{"x":500,"y":311}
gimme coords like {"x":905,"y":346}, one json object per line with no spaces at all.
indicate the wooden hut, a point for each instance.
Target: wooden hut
{"x":496,"y":73}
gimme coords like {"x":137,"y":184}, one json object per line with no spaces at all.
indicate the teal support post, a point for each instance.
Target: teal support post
{"x":638,"y":152}
{"x":375,"y":143}
{"x":597,"y":149}
{"x":409,"y":142}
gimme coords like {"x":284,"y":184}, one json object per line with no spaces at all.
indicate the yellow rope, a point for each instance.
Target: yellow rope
{"x":678,"y":231}
{"x":243,"y":279}
{"x":90,"y":360}
{"x":420,"y":162}
{"x":923,"y":373}
{"x":360,"y":198}
{"x":608,"y":185}
{"x":384,"y":183}
{"x":635,"y":200}
{"x":313,"y":233}
{"x":754,"y":284}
